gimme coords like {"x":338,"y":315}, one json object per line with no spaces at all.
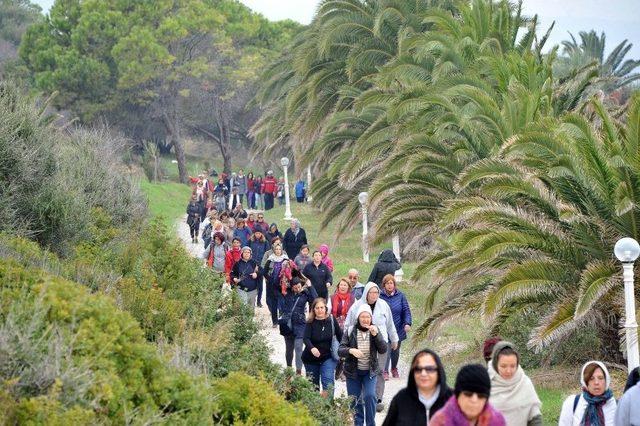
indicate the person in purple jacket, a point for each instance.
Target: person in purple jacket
{"x":401,"y":312}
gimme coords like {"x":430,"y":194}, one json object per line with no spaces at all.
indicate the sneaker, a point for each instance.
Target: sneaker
{"x":259,"y":305}
{"x":379,"y":407}
{"x":275,"y":326}
{"x":385,"y":374}
{"x":394,"y":373}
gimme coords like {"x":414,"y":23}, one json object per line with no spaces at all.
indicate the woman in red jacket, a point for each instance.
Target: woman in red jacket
{"x":233,"y":255}
{"x":341,"y":301}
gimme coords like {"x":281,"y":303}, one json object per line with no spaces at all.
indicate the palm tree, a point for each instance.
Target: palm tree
{"x":534,"y":228}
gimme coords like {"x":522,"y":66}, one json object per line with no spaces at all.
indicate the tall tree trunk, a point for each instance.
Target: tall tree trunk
{"x":173,"y":128}
{"x":223,"y":123}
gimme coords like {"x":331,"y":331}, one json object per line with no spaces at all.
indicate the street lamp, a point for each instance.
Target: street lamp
{"x":363,"y":197}
{"x":627,"y":251}
{"x":284,"y":161}
{"x":399,"y":275}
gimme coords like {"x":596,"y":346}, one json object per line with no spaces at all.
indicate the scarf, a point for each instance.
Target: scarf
{"x":273,"y":258}
{"x":593,"y":414}
{"x":341,"y":302}
{"x":515,"y":398}
{"x":361,"y":328}
{"x":286,"y":275}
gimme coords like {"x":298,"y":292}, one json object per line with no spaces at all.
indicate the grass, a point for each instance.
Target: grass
{"x":459,"y":342}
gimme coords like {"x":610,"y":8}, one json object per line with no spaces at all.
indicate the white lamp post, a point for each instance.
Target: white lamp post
{"x":399,"y":275}
{"x":309,"y":199}
{"x":627,"y":251}
{"x":284,"y":161}
{"x":363,"y":197}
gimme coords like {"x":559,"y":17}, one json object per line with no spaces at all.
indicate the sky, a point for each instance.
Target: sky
{"x":619,"y":19}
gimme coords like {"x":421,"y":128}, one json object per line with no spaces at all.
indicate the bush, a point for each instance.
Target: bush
{"x":71,"y":355}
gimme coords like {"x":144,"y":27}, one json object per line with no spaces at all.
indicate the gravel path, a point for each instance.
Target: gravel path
{"x":276,"y":342}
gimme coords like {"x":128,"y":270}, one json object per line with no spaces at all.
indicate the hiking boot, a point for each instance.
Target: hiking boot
{"x":385,"y":374}
{"x":379,"y":407}
{"x":394,"y":373}
{"x":298,"y":372}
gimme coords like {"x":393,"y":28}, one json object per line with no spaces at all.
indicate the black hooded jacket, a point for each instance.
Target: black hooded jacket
{"x":406,"y":408}
{"x":386,"y":264}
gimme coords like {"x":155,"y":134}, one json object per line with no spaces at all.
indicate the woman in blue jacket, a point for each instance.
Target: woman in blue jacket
{"x":293,"y":319}
{"x":401,"y":313}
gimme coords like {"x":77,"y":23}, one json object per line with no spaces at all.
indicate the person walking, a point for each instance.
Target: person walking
{"x":401,"y":312}
{"x":324,"y":250}
{"x":193,"y":218}
{"x":257,"y":188}
{"x":319,"y":275}
{"x":383,"y":319}
{"x":426,"y":392}
{"x":269,"y":189}
{"x":341,"y":301}
{"x":360,"y":346}
{"x":293,"y":321}
{"x":300,"y":190}
{"x":261,"y":224}
{"x":220,"y":193}
{"x":386,"y":264}
{"x":318,"y":359}
{"x":241,"y":183}
{"x":242,"y":232}
{"x":303,"y":258}
{"x":272,"y":269}
{"x":259,"y":246}
{"x":251,"y":191}
{"x":595,"y":405}
{"x":246,"y":275}
{"x":469,"y":404}
{"x":354,"y":283}
{"x":273,"y":232}
{"x":294,"y":238}
{"x":512,"y":392}
{"x":280,"y":192}
{"x":628,"y":411}
{"x":216,"y":253}
{"x":233,"y":255}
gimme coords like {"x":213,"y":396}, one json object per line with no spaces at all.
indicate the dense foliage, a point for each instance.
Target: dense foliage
{"x":469,"y":144}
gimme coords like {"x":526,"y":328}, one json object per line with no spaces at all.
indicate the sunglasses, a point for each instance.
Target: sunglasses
{"x":260,"y":217}
{"x":429,"y":369}
{"x":470,"y":394}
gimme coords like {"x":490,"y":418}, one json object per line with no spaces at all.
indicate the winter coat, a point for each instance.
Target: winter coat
{"x":243,"y":234}
{"x":318,"y":334}
{"x":241,"y":183}
{"x":573,"y":417}
{"x":272,"y":274}
{"x":319,"y":277}
{"x":269,"y":185}
{"x":221,"y":189}
{"x":292,"y":243}
{"x":406,"y":409}
{"x":193,"y":211}
{"x":324,"y":250}
{"x":262,"y":226}
{"x":302,"y":261}
{"x":251,"y":185}
{"x":259,"y":248}
{"x":377,"y":345}
{"x":381,"y":318}
{"x":357,"y":290}
{"x":399,"y":309}
{"x":298,"y":317}
{"x":271,"y":235}
{"x":335,"y":304}
{"x":233,"y":255}
{"x":386,"y":264}
{"x":300,"y":190}
{"x":628,"y":412}
{"x":243,"y":269}
{"x":452,"y":415}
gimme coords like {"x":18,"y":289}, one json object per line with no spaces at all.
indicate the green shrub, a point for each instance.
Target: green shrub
{"x":119,"y":376}
{"x":245,"y":400}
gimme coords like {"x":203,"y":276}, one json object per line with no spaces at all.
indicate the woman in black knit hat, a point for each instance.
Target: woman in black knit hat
{"x":469,"y":404}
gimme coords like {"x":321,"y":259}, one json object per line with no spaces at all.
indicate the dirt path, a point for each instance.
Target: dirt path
{"x":276,"y":342}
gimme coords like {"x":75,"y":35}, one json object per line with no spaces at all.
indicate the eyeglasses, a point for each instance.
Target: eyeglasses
{"x":353,"y":277}
{"x":429,"y":369}
{"x":260,"y":217}
{"x":470,"y":394}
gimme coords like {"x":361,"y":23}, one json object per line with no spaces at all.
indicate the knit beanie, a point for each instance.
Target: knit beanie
{"x":473,"y":378}
{"x":363,"y":308}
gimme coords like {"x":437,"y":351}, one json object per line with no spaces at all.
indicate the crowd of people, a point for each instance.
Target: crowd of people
{"x":355,"y":333}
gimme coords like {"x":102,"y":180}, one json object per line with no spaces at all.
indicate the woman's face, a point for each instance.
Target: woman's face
{"x":293,"y":225}
{"x":231,"y":222}
{"x":252,"y":217}
{"x":389,"y":286}
{"x":364,"y":319}
{"x":277,"y":250}
{"x":246,"y":254}
{"x":217,"y":240}
{"x":597,"y":384}
{"x":305,"y":251}
{"x":471,"y":404}
{"x":320,"y":310}
{"x":426,"y":373}
{"x":343,"y":287}
{"x":507,"y":366}
{"x":317,"y":257}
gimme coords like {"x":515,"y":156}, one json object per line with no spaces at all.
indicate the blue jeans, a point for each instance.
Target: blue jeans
{"x":363,"y":391}
{"x":393,"y":357}
{"x":324,"y":373}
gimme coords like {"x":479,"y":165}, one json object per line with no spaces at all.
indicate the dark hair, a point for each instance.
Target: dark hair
{"x":312,"y":312}
{"x":236,"y":239}
{"x":442,"y":377}
{"x":274,"y":240}
{"x":508,"y":351}
{"x":633,"y":379}
{"x":314,"y":252}
{"x":487,"y":347}
{"x":304,"y":246}
{"x":219,"y":235}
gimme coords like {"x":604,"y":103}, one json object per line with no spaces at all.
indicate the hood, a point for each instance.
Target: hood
{"x":296,"y":222}
{"x":442,"y":376}
{"x":324,"y":249}
{"x":497,"y":348}
{"x":367,"y":287}
{"x":272,"y":225}
{"x":599,"y":364}
{"x":388,"y":257}
{"x":363,"y":308}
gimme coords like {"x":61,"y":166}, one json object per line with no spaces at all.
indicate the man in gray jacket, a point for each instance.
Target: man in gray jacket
{"x":628,"y":412}
{"x":383,"y":319}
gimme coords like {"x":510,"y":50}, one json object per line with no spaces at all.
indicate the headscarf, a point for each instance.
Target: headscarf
{"x":515,"y":398}
{"x":296,"y":229}
{"x":594,"y":413}
{"x":361,"y":309}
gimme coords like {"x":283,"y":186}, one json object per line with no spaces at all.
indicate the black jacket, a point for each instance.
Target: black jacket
{"x":193,"y":212}
{"x":318,"y":334}
{"x":350,"y":340}
{"x":386,"y":264}
{"x":292,"y":243}
{"x":243,"y":269}
{"x":298,"y":317}
{"x":319,"y":276}
{"x":406,"y":408}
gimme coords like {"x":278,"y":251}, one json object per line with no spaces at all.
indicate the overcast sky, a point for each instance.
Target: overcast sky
{"x":619,"y":19}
